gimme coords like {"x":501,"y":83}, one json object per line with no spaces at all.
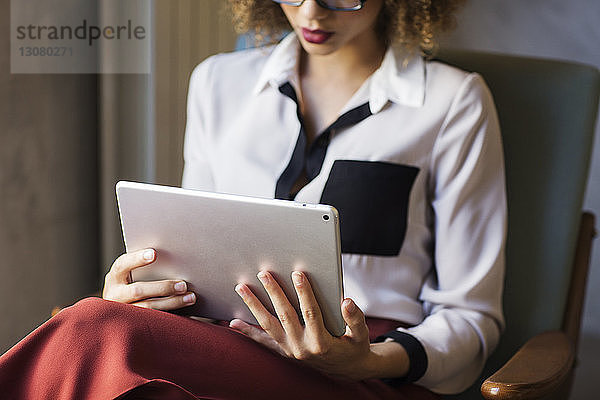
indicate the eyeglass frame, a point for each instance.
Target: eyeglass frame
{"x":323,"y":4}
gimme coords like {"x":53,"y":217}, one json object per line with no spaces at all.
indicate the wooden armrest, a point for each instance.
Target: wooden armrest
{"x":537,"y":369}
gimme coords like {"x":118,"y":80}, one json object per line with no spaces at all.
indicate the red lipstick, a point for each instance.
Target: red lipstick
{"x":317,"y":36}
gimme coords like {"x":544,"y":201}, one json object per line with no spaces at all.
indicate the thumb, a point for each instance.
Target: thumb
{"x":355,"y":320}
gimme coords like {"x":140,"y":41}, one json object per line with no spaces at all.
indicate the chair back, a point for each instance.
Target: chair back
{"x":547,"y":111}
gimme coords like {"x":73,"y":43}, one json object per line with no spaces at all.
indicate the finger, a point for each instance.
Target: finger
{"x":355,"y":320}
{"x":168,"y":303}
{"x":122,"y":267}
{"x":285,"y":312}
{"x":143,"y":290}
{"x":311,"y":312}
{"x":265,"y":319}
{"x":257,"y":334}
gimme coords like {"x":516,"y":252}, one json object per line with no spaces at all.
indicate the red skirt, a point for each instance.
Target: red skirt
{"x":99,"y":349}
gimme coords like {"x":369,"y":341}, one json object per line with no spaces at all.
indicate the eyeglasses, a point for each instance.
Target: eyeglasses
{"x":335,"y":5}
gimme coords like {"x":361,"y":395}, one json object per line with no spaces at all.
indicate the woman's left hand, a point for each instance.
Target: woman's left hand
{"x":348,"y":356}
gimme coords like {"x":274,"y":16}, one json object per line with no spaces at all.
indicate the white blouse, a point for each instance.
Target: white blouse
{"x":413,"y":164}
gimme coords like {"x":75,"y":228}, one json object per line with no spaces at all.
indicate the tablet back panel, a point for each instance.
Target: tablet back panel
{"x":215,"y":241}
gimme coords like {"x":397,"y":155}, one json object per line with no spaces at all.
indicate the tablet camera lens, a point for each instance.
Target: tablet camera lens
{"x":326,"y":217}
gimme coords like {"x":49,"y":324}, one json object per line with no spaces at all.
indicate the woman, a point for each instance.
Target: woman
{"x":344,"y":111}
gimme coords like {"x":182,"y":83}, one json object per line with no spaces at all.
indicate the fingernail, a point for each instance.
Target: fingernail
{"x":180,"y":287}
{"x":262,"y":276}
{"x":189,"y":298}
{"x":349,"y":305}
{"x":298,"y":278}
{"x":239,"y":289}
{"x":149,"y":255}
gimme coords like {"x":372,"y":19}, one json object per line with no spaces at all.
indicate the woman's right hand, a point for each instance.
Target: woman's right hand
{"x":158,"y":295}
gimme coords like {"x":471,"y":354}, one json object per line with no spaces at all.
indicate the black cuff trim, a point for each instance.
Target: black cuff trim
{"x":416,"y":356}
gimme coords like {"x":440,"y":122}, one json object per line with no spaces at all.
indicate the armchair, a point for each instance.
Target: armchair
{"x":547,"y":112}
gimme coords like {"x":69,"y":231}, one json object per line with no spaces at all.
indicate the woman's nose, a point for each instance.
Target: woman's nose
{"x":312,"y":10}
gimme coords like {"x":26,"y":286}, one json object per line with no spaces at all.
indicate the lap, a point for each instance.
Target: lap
{"x":149,"y":351}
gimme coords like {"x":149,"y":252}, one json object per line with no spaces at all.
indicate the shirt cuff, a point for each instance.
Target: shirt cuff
{"x":416,"y":355}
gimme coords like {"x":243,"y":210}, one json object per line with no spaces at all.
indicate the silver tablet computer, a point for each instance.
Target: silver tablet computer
{"x":215,"y":241}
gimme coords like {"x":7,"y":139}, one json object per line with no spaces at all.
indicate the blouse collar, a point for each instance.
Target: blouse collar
{"x":400,"y":78}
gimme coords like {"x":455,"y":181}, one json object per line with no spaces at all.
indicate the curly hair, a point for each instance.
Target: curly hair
{"x":415,"y":24}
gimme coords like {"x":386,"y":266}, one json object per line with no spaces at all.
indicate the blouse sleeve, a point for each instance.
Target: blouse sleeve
{"x":196,"y":171}
{"x":463,"y":298}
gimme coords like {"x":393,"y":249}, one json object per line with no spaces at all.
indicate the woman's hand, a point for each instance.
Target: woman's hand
{"x":350,"y":356}
{"x":159,"y":295}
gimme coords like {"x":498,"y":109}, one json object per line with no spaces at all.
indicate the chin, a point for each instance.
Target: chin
{"x":318,"y":49}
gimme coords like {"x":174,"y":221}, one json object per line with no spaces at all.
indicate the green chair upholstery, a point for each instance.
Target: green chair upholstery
{"x":547,"y":112}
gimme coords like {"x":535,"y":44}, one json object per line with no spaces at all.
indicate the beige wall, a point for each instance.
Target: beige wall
{"x":65,"y":140}
{"x":48,"y":192}
{"x":187,"y":31}
{"x":143,"y":117}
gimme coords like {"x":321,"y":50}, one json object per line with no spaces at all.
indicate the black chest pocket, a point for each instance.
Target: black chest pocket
{"x":372,"y":200}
